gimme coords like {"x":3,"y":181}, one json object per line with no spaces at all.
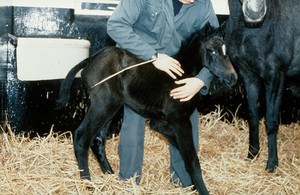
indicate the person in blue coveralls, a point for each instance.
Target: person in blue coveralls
{"x":155,"y":29}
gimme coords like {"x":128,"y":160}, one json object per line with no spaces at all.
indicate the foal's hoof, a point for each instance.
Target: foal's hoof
{"x":106,"y":168}
{"x":84,"y":177}
{"x":88,"y":185}
{"x":90,"y":188}
{"x":271,"y":166}
{"x":252,"y":154}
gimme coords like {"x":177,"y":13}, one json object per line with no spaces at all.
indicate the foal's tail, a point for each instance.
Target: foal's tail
{"x":65,"y":88}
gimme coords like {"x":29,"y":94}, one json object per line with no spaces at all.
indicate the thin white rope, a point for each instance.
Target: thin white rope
{"x":117,"y":73}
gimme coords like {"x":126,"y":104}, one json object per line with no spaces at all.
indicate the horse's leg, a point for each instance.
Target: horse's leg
{"x":98,"y":148}
{"x":274,"y":90}
{"x":183,"y":133}
{"x":99,"y":142}
{"x":83,"y":136}
{"x":252,"y":87}
{"x":100,"y":112}
{"x":116,"y":124}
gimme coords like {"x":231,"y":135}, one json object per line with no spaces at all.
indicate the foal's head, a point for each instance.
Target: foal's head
{"x":215,"y":58}
{"x":207,"y":48}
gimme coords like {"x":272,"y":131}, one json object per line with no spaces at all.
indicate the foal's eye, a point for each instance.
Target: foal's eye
{"x":211,"y":51}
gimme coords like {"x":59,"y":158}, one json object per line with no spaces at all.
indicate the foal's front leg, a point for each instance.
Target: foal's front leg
{"x":183,"y":133}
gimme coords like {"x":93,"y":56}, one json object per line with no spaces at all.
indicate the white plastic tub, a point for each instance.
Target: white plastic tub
{"x":48,"y":58}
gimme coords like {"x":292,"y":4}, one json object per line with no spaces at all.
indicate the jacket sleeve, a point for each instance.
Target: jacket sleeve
{"x":120,"y":28}
{"x":206,"y":76}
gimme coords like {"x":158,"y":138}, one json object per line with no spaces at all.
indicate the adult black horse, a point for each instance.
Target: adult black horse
{"x":263,"y":40}
{"x":147,"y":91}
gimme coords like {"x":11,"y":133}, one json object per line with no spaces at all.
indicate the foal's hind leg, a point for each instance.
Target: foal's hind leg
{"x":96,"y":119}
{"x":98,"y":148}
{"x":83,"y":137}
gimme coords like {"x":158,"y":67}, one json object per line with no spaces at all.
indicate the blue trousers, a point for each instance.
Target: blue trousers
{"x":131,"y":149}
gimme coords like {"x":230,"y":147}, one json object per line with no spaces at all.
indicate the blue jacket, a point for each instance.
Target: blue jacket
{"x":145,"y":27}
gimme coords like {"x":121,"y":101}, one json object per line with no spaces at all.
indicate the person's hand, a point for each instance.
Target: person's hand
{"x":168,"y":65}
{"x":190,"y":87}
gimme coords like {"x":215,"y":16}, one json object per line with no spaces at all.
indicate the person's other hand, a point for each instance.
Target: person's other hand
{"x":190,"y":86}
{"x":168,"y":65}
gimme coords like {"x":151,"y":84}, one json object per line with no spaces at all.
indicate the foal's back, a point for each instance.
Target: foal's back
{"x":144,"y":88}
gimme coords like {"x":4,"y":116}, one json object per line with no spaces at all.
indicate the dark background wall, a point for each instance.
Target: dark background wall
{"x":6,"y":56}
{"x":30,"y":105}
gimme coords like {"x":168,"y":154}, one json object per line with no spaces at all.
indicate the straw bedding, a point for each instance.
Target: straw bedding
{"x":46,"y":165}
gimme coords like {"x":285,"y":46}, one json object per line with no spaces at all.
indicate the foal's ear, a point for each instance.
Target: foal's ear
{"x":221,"y":29}
{"x":207,"y":29}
